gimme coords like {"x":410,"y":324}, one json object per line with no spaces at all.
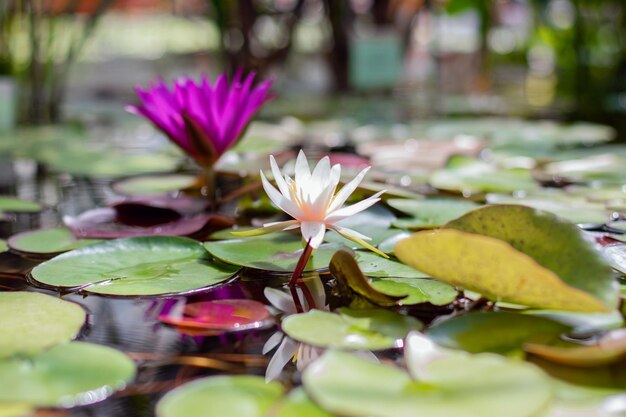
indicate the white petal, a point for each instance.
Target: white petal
{"x":278,"y":177}
{"x":272,"y":341}
{"x":314,"y":231}
{"x":277,"y":198}
{"x":283,"y":355}
{"x":321,"y":172}
{"x":347,"y":190}
{"x":303,"y":173}
{"x":348,"y":211}
{"x":280,"y":300}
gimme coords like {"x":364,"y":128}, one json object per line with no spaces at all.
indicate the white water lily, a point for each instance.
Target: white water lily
{"x":311,"y":199}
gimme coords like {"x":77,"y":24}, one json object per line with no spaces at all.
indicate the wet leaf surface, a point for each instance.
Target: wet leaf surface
{"x":371,"y":329}
{"x":47,"y":241}
{"x":32,"y":322}
{"x":135,"y":266}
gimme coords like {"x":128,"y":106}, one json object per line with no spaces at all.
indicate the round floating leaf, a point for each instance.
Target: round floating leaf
{"x":15,"y":410}
{"x":220,"y":315}
{"x":416,"y":290}
{"x":609,"y":348}
{"x":499,"y":332}
{"x":32,"y":322}
{"x":616,"y":255}
{"x":373,"y":329}
{"x":149,"y":185}
{"x":221,"y":396}
{"x":17,"y":205}
{"x":47,"y":241}
{"x":484,"y":385}
{"x":297,"y":404}
{"x":429,"y":213}
{"x":135,"y":266}
{"x":376,"y":266}
{"x":66,"y":375}
{"x":571,"y":208}
{"x":552,"y":242}
{"x":277,"y":252}
{"x":466,"y":174}
{"x":492,"y":268}
{"x":3,"y":246}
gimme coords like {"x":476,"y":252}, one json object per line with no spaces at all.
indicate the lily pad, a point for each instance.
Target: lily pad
{"x":47,"y":241}
{"x":277,"y":252}
{"x":416,"y":290}
{"x":616,"y":255}
{"x":389,"y":244}
{"x":376,"y":266}
{"x":3,"y":246}
{"x":298,"y":404}
{"x":32,"y":322}
{"x":220,"y":396}
{"x":220,"y":315}
{"x":371,"y":329}
{"x":66,"y":375}
{"x":485,"y":385}
{"x":468,"y":175}
{"x":499,"y":332}
{"x":429,"y":213}
{"x":515,"y":254}
{"x":15,"y":410}
{"x":153,"y":265}
{"x":609,"y":348}
{"x":150,"y":185}
{"x":17,"y":205}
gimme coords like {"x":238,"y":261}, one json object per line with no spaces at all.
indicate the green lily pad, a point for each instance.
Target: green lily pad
{"x":570,"y":208}
{"x":277,"y":252}
{"x":298,"y":404}
{"x":484,"y":385}
{"x":48,"y":241}
{"x":32,"y":322}
{"x":3,"y":246}
{"x":66,"y":375}
{"x":516,"y":254}
{"x":149,"y":185}
{"x":220,"y":396}
{"x":371,"y":329}
{"x":609,"y":348}
{"x":15,"y":410}
{"x":416,"y":290}
{"x":17,"y":205}
{"x":429,"y":213}
{"x":469,"y":175}
{"x":376,"y":266}
{"x":616,"y":255}
{"x":583,"y":323}
{"x":499,"y":332}
{"x":152,"y":265}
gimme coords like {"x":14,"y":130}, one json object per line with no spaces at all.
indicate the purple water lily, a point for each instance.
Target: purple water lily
{"x":203,"y":119}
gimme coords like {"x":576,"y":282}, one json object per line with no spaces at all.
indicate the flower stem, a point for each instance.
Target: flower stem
{"x":207,"y":183}
{"x":304,"y":259}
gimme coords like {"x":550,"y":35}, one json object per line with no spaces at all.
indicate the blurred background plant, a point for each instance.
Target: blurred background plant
{"x":563,"y":59}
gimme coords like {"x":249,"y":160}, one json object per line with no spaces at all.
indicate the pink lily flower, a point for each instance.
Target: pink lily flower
{"x":203,"y":119}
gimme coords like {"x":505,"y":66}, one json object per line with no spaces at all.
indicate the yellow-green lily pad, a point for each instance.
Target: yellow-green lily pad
{"x":32,"y":322}
{"x":221,"y":396}
{"x":65,"y":375}
{"x":371,"y":329}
